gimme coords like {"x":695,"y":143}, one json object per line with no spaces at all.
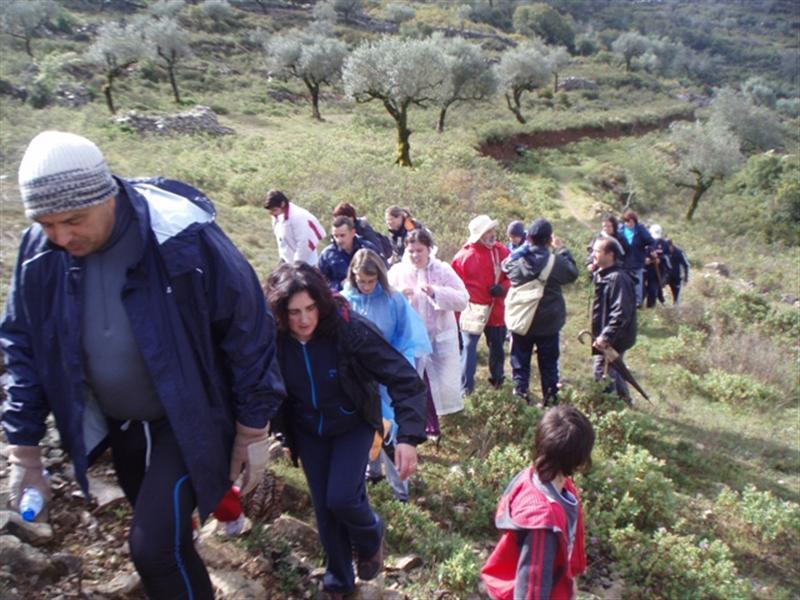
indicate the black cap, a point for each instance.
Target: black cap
{"x":540,"y":231}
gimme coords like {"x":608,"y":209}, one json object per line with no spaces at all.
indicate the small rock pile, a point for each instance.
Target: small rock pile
{"x":200,"y":119}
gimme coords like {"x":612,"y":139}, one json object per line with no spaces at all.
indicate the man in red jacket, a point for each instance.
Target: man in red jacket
{"x":478,"y":265}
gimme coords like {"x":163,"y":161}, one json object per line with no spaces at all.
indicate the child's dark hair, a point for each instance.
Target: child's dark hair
{"x":563,"y":443}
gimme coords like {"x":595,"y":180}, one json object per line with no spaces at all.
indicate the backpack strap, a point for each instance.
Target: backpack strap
{"x":545,"y":274}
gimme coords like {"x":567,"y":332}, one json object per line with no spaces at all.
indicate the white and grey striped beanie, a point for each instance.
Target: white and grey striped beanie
{"x":63,"y":171}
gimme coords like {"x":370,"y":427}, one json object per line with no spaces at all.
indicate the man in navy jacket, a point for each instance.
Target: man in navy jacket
{"x":136,"y":322}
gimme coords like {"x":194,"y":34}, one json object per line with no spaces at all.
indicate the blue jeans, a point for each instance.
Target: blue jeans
{"x":547,"y":354}
{"x":495,"y":338}
{"x":334,"y":468}
{"x":639,"y":284}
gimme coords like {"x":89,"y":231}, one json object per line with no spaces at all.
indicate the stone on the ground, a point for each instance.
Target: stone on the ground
{"x":220,"y":554}
{"x":370,"y":590}
{"x":719,"y":268}
{"x":26,"y":560}
{"x":106,"y":493}
{"x":232,"y":585}
{"x":297,"y":533}
{"x":407,"y":563}
{"x":12,"y":523}
{"x":122,"y":584}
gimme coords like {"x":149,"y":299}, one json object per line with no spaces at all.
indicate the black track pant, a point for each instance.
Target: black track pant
{"x":151,"y":472}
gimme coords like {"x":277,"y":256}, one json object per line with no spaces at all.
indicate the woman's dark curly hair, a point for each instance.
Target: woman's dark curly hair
{"x":290,"y":279}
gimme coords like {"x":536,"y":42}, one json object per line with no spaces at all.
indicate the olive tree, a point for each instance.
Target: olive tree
{"x":559,"y":58}
{"x":756,"y":126}
{"x":22,"y":19}
{"x":630,"y":45}
{"x":704,"y":153}
{"x":522,"y":69}
{"x":313,"y":59}
{"x":398,"y":73}
{"x":469,"y":76}
{"x":116,"y":48}
{"x":545,"y":22}
{"x":169,"y":44}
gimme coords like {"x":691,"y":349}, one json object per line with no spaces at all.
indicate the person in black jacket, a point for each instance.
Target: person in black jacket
{"x":637,"y":243}
{"x":613,"y":313}
{"x":365,"y":230}
{"x":522,"y":266}
{"x":332,"y":361}
{"x":678,"y":265}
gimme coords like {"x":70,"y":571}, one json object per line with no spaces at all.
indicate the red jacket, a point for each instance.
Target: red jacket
{"x":525,"y":507}
{"x":476,"y":265}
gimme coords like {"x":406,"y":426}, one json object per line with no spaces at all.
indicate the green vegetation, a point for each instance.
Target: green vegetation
{"x":694,"y":494}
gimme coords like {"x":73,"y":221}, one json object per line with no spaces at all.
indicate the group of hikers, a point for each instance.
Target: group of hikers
{"x":137,"y":323}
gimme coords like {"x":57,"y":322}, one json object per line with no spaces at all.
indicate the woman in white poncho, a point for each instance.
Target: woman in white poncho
{"x":436,"y":293}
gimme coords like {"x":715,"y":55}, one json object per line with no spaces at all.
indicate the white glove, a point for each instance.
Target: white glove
{"x":26,"y":471}
{"x":251,"y":454}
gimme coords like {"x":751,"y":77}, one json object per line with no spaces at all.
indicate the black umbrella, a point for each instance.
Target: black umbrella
{"x":613,"y":360}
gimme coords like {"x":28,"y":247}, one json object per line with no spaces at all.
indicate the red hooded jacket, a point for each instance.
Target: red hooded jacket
{"x":524,"y":507}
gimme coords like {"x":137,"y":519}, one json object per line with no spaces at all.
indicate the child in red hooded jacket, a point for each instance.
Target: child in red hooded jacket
{"x":541,"y":551}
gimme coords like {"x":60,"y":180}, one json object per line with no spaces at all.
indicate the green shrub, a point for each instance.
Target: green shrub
{"x":627,"y":489}
{"x":735,"y":389}
{"x":476,"y":487}
{"x":460,"y":572}
{"x":669,"y":565}
{"x":740,"y":309}
{"x":769,"y":517}
{"x":685,"y":349}
{"x":502,"y":419}
{"x":615,"y":430}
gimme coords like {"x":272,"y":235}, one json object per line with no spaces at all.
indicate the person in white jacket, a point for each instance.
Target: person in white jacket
{"x":297,"y":231}
{"x":436,"y":293}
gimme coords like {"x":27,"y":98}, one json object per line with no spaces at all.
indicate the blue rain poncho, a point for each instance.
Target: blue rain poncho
{"x":400,"y":324}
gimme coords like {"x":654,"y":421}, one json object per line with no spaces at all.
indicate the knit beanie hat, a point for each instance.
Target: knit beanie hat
{"x":516,"y":228}
{"x":63,"y":171}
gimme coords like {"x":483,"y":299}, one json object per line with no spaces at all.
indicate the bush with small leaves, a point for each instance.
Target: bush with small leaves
{"x":771,"y":519}
{"x":460,"y":572}
{"x":670,"y":565}
{"x":736,"y":389}
{"x":628,"y":488}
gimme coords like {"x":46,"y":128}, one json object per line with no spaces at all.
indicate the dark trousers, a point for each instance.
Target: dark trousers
{"x":547,"y":353}
{"x":495,"y":338}
{"x":675,"y":288}
{"x":156,"y":483}
{"x":334,"y":469}
{"x":432,"y":419}
{"x":654,"y":290}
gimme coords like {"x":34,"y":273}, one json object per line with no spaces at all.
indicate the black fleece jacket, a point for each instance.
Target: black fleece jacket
{"x":614,"y":308}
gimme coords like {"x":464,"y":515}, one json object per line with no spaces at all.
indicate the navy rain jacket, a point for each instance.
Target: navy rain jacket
{"x":199,"y":318}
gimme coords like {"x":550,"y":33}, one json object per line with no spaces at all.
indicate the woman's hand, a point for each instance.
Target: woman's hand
{"x":428,"y":290}
{"x":405,"y":459}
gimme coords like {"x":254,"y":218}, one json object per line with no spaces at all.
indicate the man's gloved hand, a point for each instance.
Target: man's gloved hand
{"x":497,"y":291}
{"x":26,"y":471}
{"x":251,"y":454}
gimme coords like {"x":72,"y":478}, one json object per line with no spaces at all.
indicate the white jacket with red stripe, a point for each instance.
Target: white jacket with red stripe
{"x":299,"y":233}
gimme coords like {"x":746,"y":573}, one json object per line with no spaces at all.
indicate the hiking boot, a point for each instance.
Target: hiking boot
{"x":522,"y":395}
{"x":368,"y":569}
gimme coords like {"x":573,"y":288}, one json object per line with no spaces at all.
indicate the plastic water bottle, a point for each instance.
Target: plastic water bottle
{"x":31,"y":504}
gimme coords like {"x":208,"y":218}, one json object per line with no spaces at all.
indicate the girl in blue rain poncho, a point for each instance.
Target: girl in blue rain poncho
{"x":367,"y":288}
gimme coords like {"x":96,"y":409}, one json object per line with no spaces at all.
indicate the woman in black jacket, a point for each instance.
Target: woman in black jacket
{"x":332,"y":361}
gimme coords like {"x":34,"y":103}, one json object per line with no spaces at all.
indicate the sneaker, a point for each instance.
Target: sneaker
{"x":368,"y":569}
